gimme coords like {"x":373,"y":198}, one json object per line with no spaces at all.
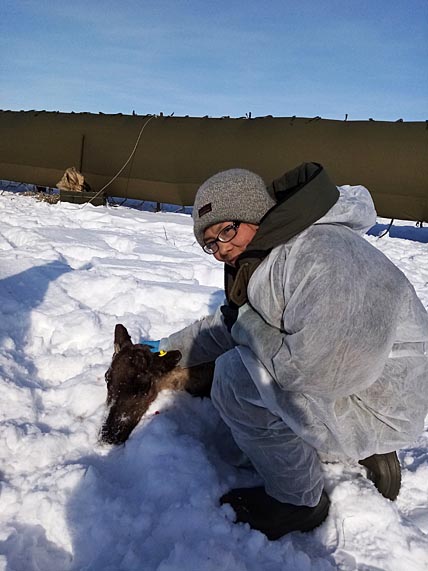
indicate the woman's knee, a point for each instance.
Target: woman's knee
{"x":225,"y":376}
{"x":232,"y":383}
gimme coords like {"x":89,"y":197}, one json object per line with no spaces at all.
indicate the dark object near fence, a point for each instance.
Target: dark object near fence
{"x":82,"y":197}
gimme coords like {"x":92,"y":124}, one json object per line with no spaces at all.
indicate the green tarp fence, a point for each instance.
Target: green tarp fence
{"x":175,"y":154}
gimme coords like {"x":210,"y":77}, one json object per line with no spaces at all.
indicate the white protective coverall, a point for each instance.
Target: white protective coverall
{"x":329,"y":354}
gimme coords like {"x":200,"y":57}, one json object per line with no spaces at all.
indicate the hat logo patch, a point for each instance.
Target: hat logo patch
{"x":205,"y":209}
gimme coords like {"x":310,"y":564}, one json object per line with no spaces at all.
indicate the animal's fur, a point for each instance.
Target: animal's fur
{"x":135,"y":377}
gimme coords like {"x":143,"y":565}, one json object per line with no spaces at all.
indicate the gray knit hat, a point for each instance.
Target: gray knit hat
{"x":235,"y":194}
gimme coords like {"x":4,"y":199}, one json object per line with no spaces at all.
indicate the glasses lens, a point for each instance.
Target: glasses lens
{"x":228,"y":233}
{"x":210,"y":248}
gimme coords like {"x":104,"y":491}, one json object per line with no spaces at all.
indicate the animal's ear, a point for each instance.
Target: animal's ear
{"x":164,"y":362}
{"x":121,"y":338}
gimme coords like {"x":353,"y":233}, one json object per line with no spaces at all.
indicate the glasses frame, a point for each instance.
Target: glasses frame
{"x":211,"y":247}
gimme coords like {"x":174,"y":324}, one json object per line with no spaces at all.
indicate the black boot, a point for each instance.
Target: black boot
{"x":271,"y":517}
{"x":385,"y":472}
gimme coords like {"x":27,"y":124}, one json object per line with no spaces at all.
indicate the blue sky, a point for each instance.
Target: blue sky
{"x":365,"y":58}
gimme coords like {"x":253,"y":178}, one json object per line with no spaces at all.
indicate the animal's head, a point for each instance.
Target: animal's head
{"x":131,"y":384}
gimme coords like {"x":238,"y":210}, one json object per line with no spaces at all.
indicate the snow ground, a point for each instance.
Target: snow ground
{"x":68,"y":274}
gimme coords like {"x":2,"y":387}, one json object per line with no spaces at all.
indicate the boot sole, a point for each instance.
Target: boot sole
{"x":385,"y":472}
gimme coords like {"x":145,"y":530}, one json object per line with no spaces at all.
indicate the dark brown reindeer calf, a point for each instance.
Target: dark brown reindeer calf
{"x":135,"y":377}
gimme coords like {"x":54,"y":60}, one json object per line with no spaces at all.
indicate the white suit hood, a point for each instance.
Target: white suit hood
{"x":354,"y":209}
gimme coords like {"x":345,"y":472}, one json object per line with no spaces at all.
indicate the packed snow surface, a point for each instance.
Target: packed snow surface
{"x":68,"y":274}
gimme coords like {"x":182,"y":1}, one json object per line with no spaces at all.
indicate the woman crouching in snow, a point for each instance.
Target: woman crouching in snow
{"x":320,"y":348}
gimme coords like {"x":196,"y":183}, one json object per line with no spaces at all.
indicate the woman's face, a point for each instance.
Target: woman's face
{"x":228,"y":251}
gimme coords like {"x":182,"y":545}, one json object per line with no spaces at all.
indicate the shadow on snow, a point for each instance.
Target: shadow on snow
{"x":413,"y":233}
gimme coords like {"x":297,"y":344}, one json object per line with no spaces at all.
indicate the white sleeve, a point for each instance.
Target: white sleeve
{"x":200,"y":342}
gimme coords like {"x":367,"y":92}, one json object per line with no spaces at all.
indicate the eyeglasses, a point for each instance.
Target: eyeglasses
{"x":226,"y":235}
